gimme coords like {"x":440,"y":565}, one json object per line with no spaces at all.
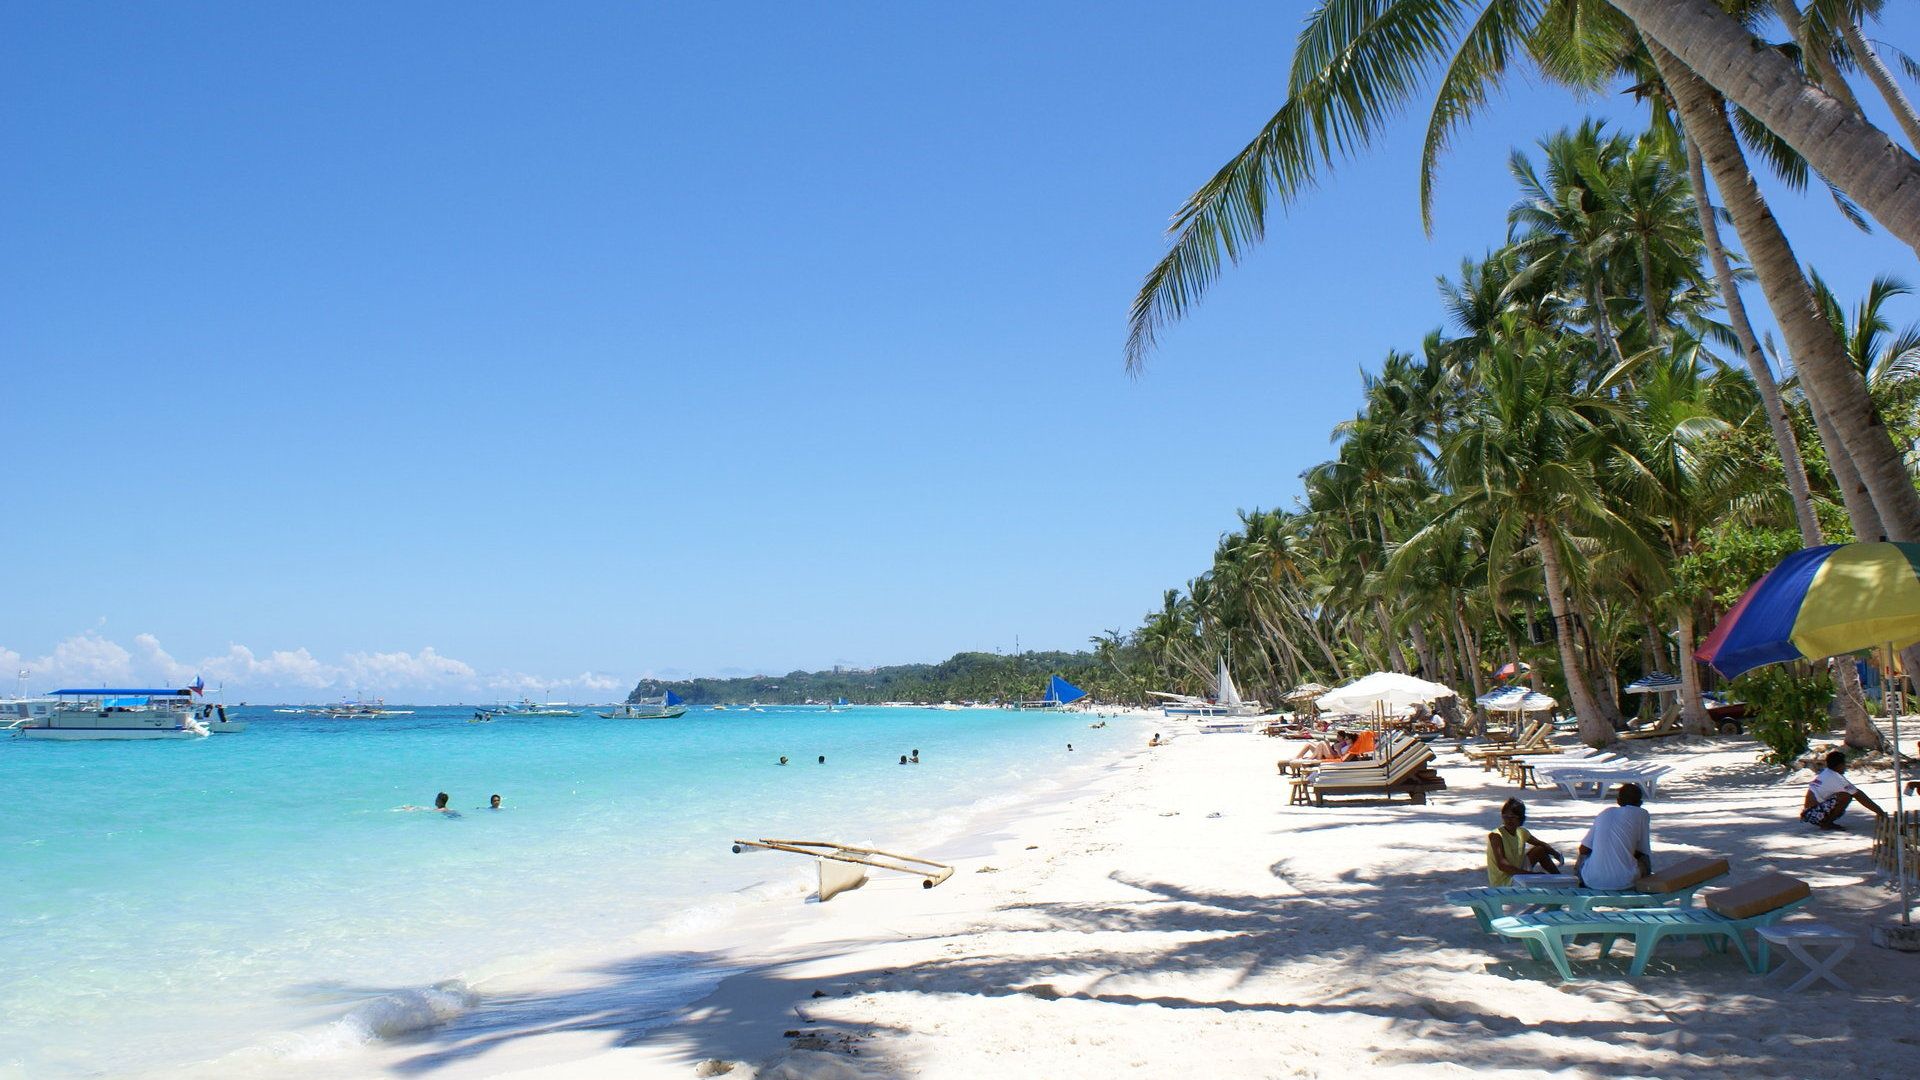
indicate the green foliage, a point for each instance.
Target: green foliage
{"x":1730,"y":557}
{"x":967,"y":676}
{"x":1790,"y":707}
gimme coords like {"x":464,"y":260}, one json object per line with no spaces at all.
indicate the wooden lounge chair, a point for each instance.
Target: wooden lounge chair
{"x":1729,"y":913}
{"x":1407,"y":772}
{"x":1536,"y":735}
{"x":1673,"y":886}
{"x":1362,"y":748}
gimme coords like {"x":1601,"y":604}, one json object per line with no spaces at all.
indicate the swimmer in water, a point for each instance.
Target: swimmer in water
{"x":903,"y":759}
{"x":783,"y":759}
{"x":823,"y":759}
{"x":494,"y":803}
{"x":915,"y":759}
{"x":1069,"y":748}
{"x":1155,"y":741}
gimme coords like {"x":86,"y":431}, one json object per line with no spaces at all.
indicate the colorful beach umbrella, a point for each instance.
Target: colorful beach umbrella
{"x":1511,"y":668}
{"x":1658,"y":682}
{"x":1819,"y":602}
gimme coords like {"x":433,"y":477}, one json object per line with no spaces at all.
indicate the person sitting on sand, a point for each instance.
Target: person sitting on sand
{"x":1155,"y":741}
{"x":1831,"y":792}
{"x":1511,"y":849}
{"x":1618,"y":848}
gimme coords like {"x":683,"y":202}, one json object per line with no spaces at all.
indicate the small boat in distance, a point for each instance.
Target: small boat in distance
{"x":358,"y":710}
{"x":537,"y":709}
{"x":113,"y":713}
{"x":1059,"y":692}
{"x":665,"y":707}
{"x":839,"y":705}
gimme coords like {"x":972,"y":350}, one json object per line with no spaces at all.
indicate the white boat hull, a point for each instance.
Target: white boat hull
{"x":104,"y":734}
{"x":643,"y":713}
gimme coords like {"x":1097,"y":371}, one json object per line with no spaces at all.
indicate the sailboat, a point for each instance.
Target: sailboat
{"x":1226,"y":701}
{"x":665,"y":707}
{"x":1059,"y":692}
{"x":839,"y":705}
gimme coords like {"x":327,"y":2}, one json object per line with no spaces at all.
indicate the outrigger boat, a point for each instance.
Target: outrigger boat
{"x":842,"y":867}
{"x":1059,"y":692}
{"x":1226,"y":702}
{"x":537,"y":709}
{"x":115,"y":713}
{"x":665,"y":707}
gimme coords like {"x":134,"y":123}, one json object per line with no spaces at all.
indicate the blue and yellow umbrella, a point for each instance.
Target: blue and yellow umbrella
{"x":1819,"y":602}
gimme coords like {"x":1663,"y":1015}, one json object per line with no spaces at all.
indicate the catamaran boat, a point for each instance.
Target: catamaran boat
{"x":665,"y":707}
{"x":112,"y":713}
{"x":1227,"y":702}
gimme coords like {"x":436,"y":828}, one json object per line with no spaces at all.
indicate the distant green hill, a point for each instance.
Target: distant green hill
{"x":967,"y":676}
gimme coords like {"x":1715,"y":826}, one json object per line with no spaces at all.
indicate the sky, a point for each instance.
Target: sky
{"x":465,"y":350}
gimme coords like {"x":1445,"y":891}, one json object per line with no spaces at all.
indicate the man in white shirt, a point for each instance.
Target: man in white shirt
{"x":1619,"y":847}
{"x":1831,"y":792}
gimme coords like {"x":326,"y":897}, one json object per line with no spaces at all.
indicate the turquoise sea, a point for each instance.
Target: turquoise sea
{"x":255,"y":904}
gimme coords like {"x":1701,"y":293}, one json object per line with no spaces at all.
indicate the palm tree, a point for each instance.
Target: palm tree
{"x":1525,"y":459}
{"x":1838,"y":141}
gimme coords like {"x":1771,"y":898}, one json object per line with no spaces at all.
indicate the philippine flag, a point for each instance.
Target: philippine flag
{"x":199,"y":685}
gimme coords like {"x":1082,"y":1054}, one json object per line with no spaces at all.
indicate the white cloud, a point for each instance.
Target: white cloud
{"x":426,"y":674}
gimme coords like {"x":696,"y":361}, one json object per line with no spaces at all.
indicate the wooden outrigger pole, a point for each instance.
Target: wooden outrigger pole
{"x":836,"y":862}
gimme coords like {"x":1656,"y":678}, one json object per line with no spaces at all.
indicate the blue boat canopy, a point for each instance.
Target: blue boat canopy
{"x":672,"y":698}
{"x":119,"y":692}
{"x":1062,"y":691}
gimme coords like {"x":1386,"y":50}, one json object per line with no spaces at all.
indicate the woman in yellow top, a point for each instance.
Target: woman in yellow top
{"x":1511,"y":849}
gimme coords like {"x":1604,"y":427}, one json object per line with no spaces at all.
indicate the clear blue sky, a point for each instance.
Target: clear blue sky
{"x":599,"y":338}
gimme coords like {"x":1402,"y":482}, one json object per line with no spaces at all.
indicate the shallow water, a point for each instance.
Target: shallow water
{"x":258,"y":895}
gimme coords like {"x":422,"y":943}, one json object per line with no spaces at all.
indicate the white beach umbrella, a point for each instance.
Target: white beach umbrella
{"x":1387,"y":691}
{"x":1517,"y":699}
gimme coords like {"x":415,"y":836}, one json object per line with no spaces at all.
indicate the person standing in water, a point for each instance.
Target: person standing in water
{"x":915,"y":759}
{"x":494,"y":803}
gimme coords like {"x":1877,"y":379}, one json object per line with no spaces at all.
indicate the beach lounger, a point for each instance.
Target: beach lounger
{"x":1406,"y":773}
{"x":1535,"y":735}
{"x":1675,"y":885}
{"x":1362,"y":748}
{"x":1728,"y":915}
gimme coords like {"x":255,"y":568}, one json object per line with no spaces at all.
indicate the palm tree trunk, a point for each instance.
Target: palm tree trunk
{"x":1834,"y":385}
{"x":1595,"y":730}
{"x":1423,"y":649}
{"x":1836,"y":141}
{"x":1394,"y":654}
{"x":1869,"y":60}
{"x":1783,"y":437}
{"x":1475,"y":670}
{"x":1691,"y":713}
{"x":1815,"y":58}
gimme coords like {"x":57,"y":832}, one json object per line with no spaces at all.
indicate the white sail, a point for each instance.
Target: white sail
{"x":1229,"y":694}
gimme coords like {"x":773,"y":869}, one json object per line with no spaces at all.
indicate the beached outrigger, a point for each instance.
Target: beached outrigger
{"x":842,"y":867}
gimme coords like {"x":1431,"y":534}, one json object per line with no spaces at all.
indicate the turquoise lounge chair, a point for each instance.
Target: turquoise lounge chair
{"x":1676,"y":886}
{"x":1748,"y":907}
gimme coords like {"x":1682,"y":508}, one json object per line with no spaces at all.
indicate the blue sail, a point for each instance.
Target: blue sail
{"x":842,"y":701}
{"x":1062,"y":691}
{"x":672,"y":698}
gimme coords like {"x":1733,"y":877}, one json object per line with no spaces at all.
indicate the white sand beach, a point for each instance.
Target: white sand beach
{"x":1175,"y":914}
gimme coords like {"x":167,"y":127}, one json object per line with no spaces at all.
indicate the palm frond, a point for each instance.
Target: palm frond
{"x":1359,"y":62}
